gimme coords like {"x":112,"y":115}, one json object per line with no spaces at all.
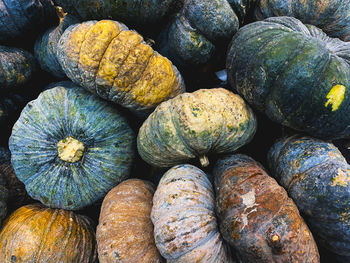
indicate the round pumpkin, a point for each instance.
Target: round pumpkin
{"x":35,"y":233}
{"x":256,"y":215}
{"x":193,"y":125}
{"x":70,"y":148}
{"x":317,"y":178}
{"x":115,"y":63}
{"x":294,"y":73}
{"x":125,"y":230}
{"x":183,"y":214}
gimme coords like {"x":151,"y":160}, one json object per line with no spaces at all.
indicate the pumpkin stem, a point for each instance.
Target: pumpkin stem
{"x":204,"y":161}
{"x":70,"y":149}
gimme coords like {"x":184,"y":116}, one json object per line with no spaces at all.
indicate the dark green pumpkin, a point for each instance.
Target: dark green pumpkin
{"x":317,"y":178}
{"x":70,"y":148}
{"x":4,"y":155}
{"x":294,"y":73}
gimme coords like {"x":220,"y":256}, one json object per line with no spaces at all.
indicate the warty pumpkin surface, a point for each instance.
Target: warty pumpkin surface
{"x":256,"y":215}
{"x":183,"y":214}
{"x":294,"y":73}
{"x":35,"y":233}
{"x":193,"y":125}
{"x":125,"y":229}
{"x":115,"y":63}
{"x":316,"y":176}
{"x":70,"y":148}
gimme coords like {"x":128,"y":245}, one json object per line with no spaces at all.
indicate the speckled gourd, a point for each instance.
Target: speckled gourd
{"x":116,"y":64}
{"x":256,"y":215}
{"x":70,"y":148}
{"x":317,"y":177}
{"x":194,"y":125}
{"x":294,"y":73}
{"x":183,"y":214}
{"x":125,"y":230}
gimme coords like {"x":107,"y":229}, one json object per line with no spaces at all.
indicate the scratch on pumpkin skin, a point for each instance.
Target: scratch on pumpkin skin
{"x":342,"y":179}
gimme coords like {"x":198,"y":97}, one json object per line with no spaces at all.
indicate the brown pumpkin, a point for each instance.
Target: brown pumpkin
{"x":125,"y":229}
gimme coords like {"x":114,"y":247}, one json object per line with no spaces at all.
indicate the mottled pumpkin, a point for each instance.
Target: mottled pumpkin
{"x":183,"y":214}
{"x":294,"y":73}
{"x":317,"y":178}
{"x":256,"y":215}
{"x":70,"y":148}
{"x":16,"y":67}
{"x":35,"y":233}
{"x":115,"y":63}
{"x":193,"y":125}
{"x":125,"y":230}
{"x":332,"y":16}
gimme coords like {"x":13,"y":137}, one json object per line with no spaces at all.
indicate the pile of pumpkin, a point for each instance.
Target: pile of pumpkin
{"x":139,"y":129}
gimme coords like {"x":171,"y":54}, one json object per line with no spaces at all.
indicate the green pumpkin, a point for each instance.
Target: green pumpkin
{"x":70,"y":148}
{"x":193,"y":125}
{"x":294,"y":73}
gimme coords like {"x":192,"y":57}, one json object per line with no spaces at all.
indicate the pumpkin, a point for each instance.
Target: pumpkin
{"x":46,"y":46}
{"x":3,"y":186}
{"x":316,"y":177}
{"x":294,"y":73}
{"x":193,"y":125}
{"x":256,"y":215}
{"x":183,"y":214}
{"x":125,"y":230}
{"x":19,"y":19}
{"x":35,"y":233}
{"x":332,"y":16}
{"x":70,"y":148}
{"x":115,"y":63}
{"x":16,"y":67}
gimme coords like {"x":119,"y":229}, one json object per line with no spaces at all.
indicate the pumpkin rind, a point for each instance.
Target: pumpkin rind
{"x":294,"y":73}
{"x":183,"y":214}
{"x":256,"y":215}
{"x":35,"y":233}
{"x":115,"y":63}
{"x":125,"y":229}
{"x":316,"y":177}
{"x":58,"y":113}
{"x":193,"y":125}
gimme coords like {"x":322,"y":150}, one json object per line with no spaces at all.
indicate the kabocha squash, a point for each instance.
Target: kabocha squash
{"x":108,"y":59}
{"x":316,"y":177}
{"x":125,"y":229}
{"x":16,"y":66}
{"x":294,"y":73}
{"x":183,"y":214}
{"x":35,"y":233}
{"x":70,"y":148}
{"x":256,"y":215}
{"x":193,"y":125}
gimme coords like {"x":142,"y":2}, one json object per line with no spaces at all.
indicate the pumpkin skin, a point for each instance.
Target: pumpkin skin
{"x":316,"y":177}
{"x":70,"y":148}
{"x":16,"y":67}
{"x":115,"y":63}
{"x":256,"y":215}
{"x":35,"y":233}
{"x":193,"y":125}
{"x":183,"y":214}
{"x":294,"y":73}
{"x":125,"y":229}
{"x":3,"y":188}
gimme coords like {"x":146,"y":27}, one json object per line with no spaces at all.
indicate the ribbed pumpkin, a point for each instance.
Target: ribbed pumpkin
{"x":332,"y":16}
{"x":108,"y":59}
{"x":295,"y":74}
{"x":193,"y":125}
{"x":16,"y":66}
{"x":256,"y":215}
{"x":70,"y":148}
{"x":125,"y":229}
{"x":183,"y":214}
{"x":35,"y":233}
{"x":317,"y":178}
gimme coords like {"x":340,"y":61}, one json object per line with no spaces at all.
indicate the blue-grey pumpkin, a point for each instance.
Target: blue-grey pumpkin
{"x":70,"y":148}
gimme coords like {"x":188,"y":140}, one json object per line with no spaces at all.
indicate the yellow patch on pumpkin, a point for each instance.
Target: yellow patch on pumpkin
{"x":341,"y":179}
{"x":335,"y":96}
